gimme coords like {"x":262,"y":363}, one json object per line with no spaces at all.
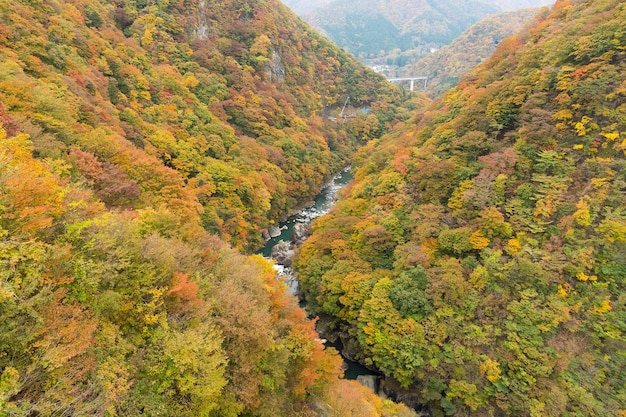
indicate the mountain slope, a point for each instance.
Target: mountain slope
{"x":396,"y":33}
{"x":193,"y":102}
{"x":479,"y":257}
{"x":303,"y":8}
{"x":125,"y":314}
{"x":510,"y":5}
{"x":476,"y":44}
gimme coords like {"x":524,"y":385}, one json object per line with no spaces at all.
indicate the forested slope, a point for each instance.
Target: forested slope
{"x":125,"y":314}
{"x":479,"y":258}
{"x":131,"y":135}
{"x":210,"y":109}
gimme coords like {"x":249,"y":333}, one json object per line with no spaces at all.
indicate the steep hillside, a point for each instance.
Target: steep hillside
{"x":476,"y":44}
{"x":131,"y":133}
{"x":479,"y":257}
{"x":211,"y":109}
{"x":127,"y":314}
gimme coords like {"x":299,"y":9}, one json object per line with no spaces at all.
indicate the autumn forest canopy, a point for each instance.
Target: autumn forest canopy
{"x":477,"y":259}
{"x":139,"y":141}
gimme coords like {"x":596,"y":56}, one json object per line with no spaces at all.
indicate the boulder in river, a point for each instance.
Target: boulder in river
{"x":274,"y":231}
{"x":283,"y":253}
{"x":301,"y":232}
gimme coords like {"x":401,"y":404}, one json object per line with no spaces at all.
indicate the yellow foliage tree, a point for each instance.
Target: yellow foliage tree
{"x":491,"y":370}
{"x":478,"y":240}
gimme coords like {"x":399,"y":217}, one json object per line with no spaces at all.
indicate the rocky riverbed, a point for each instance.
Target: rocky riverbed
{"x":284,"y":238}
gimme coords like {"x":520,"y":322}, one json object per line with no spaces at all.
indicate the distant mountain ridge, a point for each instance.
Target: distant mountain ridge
{"x":445,"y":67}
{"x":303,"y":7}
{"x":510,"y":5}
{"x":369,"y":26}
{"x":398,"y":32}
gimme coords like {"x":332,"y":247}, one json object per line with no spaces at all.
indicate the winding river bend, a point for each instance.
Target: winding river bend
{"x":324,"y":202}
{"x":285,"y":238}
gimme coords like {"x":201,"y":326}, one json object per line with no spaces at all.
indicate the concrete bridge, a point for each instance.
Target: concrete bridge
{"x":411,"y":80}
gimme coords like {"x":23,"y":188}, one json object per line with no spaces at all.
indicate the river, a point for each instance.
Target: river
{"x":324,"y":202}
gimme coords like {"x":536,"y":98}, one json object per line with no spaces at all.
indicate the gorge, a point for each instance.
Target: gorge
{"x":476,"y":259}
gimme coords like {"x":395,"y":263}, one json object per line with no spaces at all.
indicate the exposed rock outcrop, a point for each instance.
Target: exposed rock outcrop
{"x":301,"y":232}
{"x":368,"y":381}
{"x":283,"y":252}
{"x":274,"y":231}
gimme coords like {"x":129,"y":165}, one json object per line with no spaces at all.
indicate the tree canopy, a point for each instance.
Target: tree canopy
{"x":485,"y":237}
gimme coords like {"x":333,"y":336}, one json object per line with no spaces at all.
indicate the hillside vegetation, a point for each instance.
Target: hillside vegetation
{"x":478,"y":258}
{"x":137,"y":140}
{"x":213,"y":110}
{"x":124,"y":314}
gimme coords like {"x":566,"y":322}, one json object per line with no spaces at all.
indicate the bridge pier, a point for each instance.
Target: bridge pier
{"x":411,"y":81}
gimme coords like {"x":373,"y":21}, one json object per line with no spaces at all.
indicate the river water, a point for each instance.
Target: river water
{"x":324,"y":202}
